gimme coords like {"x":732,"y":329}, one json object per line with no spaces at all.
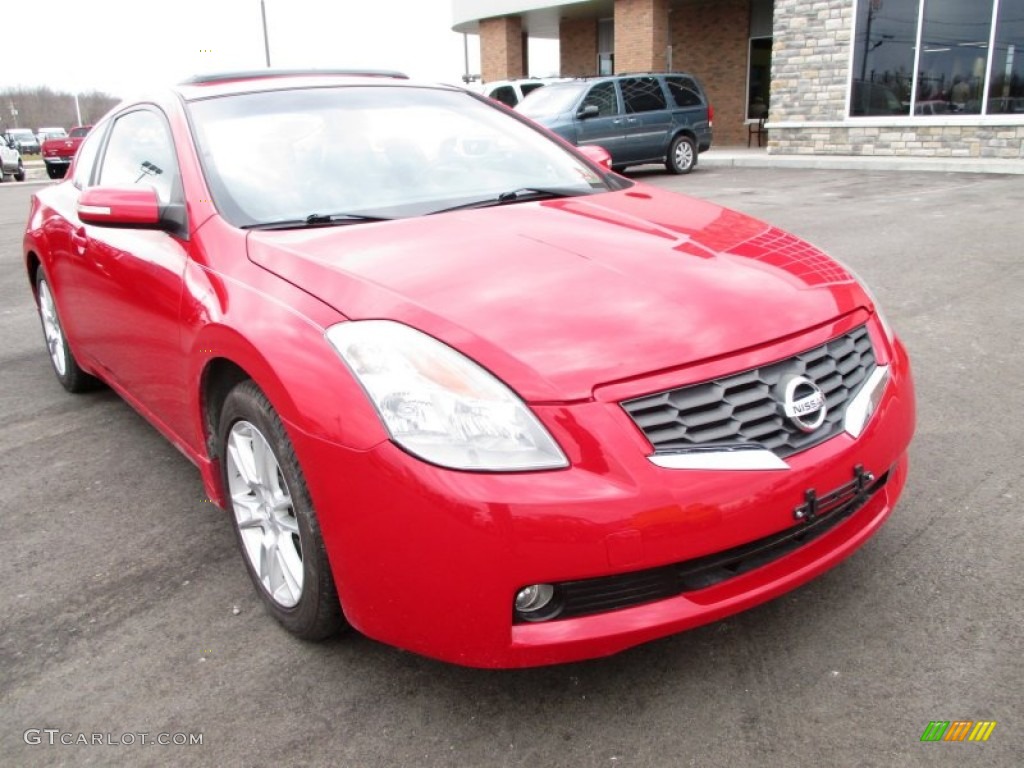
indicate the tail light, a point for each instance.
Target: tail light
{"x":711,"y":115}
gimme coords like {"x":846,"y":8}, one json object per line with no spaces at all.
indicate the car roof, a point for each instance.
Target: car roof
{"x":228,"y":83}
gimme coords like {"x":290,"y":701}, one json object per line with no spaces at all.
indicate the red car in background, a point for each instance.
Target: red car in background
{"x":461,"y":387}
{"x":58,"y":152}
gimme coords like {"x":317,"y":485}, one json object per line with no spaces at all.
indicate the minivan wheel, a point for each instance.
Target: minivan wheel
{"x":682,"y":155}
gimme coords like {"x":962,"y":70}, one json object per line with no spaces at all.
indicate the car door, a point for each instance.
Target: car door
{"x":135,"y":279}
{"x":606,"y":128}
{"x":648,"y":121}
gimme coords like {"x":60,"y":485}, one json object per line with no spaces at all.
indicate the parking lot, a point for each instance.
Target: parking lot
{"x":128,"y":608}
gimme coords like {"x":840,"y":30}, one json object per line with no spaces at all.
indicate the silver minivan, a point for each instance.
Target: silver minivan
{"x":638,"y":118}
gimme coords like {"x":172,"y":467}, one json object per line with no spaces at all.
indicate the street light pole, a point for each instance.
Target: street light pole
{"x":266,"y":39}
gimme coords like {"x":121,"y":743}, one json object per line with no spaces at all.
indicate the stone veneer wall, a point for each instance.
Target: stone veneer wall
{"x":810,"y":74}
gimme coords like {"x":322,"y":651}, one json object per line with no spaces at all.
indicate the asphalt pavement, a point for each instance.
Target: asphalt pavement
{"x":128,"y":610}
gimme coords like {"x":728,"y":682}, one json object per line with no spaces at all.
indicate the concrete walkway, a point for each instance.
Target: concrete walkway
{"x":759,"y":158}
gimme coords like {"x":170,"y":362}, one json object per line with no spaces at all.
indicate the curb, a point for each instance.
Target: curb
{"x":761,"y":159}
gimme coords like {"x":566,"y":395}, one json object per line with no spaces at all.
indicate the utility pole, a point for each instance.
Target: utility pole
{"x":266,"y":39}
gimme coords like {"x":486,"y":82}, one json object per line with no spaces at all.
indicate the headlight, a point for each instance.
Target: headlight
{"x":882,"y":321}
{"x":440,"y":405}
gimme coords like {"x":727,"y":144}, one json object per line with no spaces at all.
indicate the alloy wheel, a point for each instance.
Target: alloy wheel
{"x":51,"y":329}
{"x":264,"y":514}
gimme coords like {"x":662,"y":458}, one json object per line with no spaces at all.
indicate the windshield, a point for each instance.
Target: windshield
{"x":359,"y":152}
{"x":552,"y":100}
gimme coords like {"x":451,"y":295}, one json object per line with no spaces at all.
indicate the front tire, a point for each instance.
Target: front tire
{"x":275,"y":524}
{"x":69,"y":373}
{"x":682,"y":155}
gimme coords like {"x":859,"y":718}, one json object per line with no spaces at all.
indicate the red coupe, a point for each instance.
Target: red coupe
{"x":459,"y":386}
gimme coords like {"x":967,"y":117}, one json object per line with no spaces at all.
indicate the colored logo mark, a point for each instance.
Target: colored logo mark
{"x":958,"y":730}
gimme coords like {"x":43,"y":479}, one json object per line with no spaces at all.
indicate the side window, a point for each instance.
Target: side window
{"x":603,"y":97}
{"x":85,"y":160}
{"x":140,"y":152}
{"x":527,"y":87}
{"x":685,"y":92}
{"x":642,"y":94}
{"x":506,"y":95}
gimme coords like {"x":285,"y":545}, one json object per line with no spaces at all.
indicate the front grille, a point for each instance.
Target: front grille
{"x":745,"y":408}
{"x":606,"y":593}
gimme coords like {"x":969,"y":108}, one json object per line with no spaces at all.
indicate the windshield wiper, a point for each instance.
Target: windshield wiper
{"x":316,"y":220}
{"x":520,"y":195}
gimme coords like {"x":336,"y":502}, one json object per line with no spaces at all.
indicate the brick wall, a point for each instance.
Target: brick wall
{"x":710,"y":39}
{"x":577,"y":47}
{"x":641,"y":35}
{"x":501,"y":48}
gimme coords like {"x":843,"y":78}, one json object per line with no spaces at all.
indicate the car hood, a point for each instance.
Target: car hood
{"x":562,"y":296}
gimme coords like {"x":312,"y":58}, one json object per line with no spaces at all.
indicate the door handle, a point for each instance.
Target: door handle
{"x":617,"y":121}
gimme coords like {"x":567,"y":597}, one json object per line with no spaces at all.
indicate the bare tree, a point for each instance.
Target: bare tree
{"x":42,"y":106}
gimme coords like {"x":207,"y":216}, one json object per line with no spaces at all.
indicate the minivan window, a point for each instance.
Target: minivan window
{"x":684,"y":91}
{"x":551,"y":100}
{"x":642,"y":94}
{"x":603,"y":97}
{"x":506,"y":95}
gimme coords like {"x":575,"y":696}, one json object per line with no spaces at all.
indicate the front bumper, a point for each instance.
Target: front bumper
{"x":430,"y":559}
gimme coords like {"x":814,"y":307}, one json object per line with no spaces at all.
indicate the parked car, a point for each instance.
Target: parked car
{"x":24,"y":140}
{"x":869,"y":98}
{"x":644,"y":118}
{"x":932,"y":107}
{"x":53,"y":132}
{"x":1005,"y":105}
{"x":59,"y":152}
{"x":511,"y":92}
{"x":10,"y":161}
{"x":462,"y":388}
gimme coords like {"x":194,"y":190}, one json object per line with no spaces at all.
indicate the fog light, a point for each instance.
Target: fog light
{"x":534,"y":597}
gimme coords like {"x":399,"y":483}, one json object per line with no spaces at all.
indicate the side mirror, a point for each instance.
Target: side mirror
{"x":114,"y":207}
{"x":596,"y":154}
{"x":588,"y":110}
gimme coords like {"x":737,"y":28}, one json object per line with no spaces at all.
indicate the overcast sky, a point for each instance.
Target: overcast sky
{"x":120,"y":46}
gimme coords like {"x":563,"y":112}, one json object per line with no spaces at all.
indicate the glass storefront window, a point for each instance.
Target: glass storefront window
{"x":1006,"y":88}
{"x":936,"y":57}
{"x":954,"y":53}
{"x":883,"y":57}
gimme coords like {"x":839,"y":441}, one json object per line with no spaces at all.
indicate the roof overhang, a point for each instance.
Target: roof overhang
{"x":541,"y":18}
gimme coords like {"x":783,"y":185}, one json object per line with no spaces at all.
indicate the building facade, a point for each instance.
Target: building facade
{"x":937,"y":78}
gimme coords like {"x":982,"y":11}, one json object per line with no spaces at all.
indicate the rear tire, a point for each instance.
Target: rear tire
{"x":682,"y":155}
{"x":54,"y":173}
{"x":275,"y":524}
{"x":19,"y":175}
{"x":68,"y":372}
